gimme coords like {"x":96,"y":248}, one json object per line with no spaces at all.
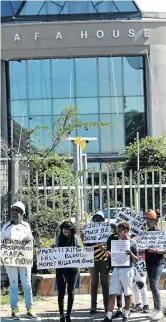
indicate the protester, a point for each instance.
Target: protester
{"x":20,"y":229}
{"x":100,"y":268}
{"x":122,"y":277}
{"x":140,"y":290}
{"x":69,"y":276}
{"x":155,"y":263}
{"x":114,"y":236}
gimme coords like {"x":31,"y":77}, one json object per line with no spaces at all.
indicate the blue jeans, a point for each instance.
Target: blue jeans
{"x":25,"y":276}
{"x":154,"y":273}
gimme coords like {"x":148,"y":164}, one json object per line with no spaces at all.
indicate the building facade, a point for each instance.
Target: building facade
{"x":109,"y":61}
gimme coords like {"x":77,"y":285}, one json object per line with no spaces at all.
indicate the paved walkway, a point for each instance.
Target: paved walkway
{"x":47,"y":309}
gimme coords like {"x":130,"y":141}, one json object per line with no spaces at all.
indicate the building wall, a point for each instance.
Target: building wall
{"x":91,"y":39}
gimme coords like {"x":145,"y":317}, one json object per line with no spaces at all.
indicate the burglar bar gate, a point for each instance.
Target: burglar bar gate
{"x":99,"y":190}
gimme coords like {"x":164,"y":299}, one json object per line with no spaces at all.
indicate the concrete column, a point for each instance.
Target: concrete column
{"x":4,"y":127}
{"x":157,"y":90}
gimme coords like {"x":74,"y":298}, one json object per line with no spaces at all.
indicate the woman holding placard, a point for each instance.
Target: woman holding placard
{"x":155,"y":265}
{"x":66,"y":276}
{"x":18,"y":230}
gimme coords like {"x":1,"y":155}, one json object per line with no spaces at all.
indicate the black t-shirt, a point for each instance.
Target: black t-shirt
{"x":152,"y":258}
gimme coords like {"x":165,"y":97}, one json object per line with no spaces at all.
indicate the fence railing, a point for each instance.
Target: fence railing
{"x":89,"y":191}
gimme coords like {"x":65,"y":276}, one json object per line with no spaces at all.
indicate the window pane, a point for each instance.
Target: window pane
{"x":86,"y":77}
{"x":110,"y":76}
{"x":50,"y":8}
{"x":60,"y":104}
{"x":63,"y":78}
{"x":20,"y":133}
{"x":125,"y":6}
{"x":133,"y":79}
{"x":19,"y":108}
{"x":92,"y":146}
{"x":134,"y":122}
{"x":31,"y":8}
{"x":18,"y":83}
{"x":112,"y":137}
{"x":111,"y":105}
{"x":106,"y":6}
{"x":6,"y":9}
{"x":76,"y":7}
{"x":42,"y":138}
{"x":40,"y":107}
{"x":94,"y":166}
{"x":132,"y":104}
{"x":39,"y":78}
{"x":118,"y":138}
{"x":87,"y":105}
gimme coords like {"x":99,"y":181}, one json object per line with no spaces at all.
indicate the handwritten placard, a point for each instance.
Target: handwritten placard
{"x":63,"y":257}
{"x":16,"y":253}
{"x":96,"y":232}
{"x":152,"y":240}
{"x":135,"y":221}
{"x":140,"y":272}
{"x":118,"y":255}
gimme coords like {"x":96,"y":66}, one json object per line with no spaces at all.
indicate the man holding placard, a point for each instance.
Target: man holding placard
{"x":124,"y":252}
{"x":18,"y":230}
{"x":155,"y":263}
{"x":101,"y":266}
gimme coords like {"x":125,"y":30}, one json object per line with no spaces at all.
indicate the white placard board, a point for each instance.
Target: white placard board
{"x":135,"y":221}
{"x":152,"y":240}
{"x":96,"y":232}
{"x":16,"y":253}
{"x":118,"y":255}
{"x":140,"y":272}
{"x":63,"y":257}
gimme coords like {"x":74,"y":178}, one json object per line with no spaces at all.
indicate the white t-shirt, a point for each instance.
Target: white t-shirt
{"x":17,"y":232}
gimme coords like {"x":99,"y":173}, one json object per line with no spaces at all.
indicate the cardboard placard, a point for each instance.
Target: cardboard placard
{"x":63,"y":257}
{"x":16,"y":253}
{"x":118,"y":255}
{"x":140,"y":272}
{"x":135,"y":221}
{"x":152,"y":240}
{"x":96,"y":232}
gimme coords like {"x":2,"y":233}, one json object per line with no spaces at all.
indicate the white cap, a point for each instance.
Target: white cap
{"x":19,"y":205}
{"x":99,"y":213}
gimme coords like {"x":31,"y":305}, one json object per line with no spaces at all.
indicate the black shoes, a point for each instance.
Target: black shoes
{"x":15,"y":313}
{"x":93,"y":311}
{"x":62,"y":319}
{"x":136,"y":308}
{"x":145,"y":309}
{"x":107,"y":320}
{"x":125,"y":319}
{"x":117,"y":315}
{"x":68,"y":319}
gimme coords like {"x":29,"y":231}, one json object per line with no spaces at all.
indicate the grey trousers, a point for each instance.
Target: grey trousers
{"x":102,"y":269}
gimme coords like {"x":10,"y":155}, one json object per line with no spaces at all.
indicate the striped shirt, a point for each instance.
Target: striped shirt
{"x":100,"y":254}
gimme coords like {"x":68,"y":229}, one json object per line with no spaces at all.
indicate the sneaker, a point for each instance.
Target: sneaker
{"x":157,"y":316}
{"x":118,"y":314}
{"x":30,"y":313}
{"x":151,"y":314}
{"x":107,"y":320}
{"x":146,"y":309}
{"x":68,"y":319}
{"x":62,"y":319}
{"x":136,"y":308}
{"x":15,"y":313}
{"x":125,"y":319}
